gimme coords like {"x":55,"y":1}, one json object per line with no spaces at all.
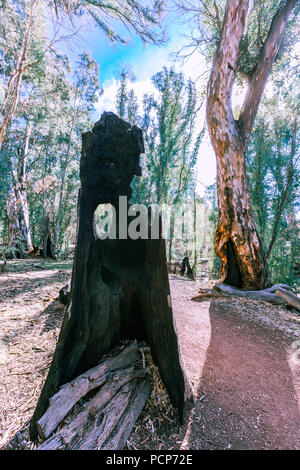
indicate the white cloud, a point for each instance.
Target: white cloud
{"x":194,"y":68}
{"x":107,"y":101}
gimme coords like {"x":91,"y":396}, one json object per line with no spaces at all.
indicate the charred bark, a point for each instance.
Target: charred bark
{"x":64,"y":293}
{"x":120,"y":287}
{"x":186,"y":268}
{"x":48,"y":248}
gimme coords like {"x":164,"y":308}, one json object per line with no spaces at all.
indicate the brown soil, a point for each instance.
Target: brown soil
{"x":241,"y":357}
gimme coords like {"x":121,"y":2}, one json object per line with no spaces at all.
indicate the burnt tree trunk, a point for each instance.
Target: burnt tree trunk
{"x":120,"y":287}
{"x":186,"y":268}
{"x":243,"y":262}
{"x":48,"y":248}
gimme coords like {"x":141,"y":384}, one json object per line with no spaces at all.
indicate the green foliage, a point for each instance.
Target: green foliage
{"x":141,"y":18}
{"x":56,"y":102}
{"x":206,"y":20}
{"x":273,"y":169}
{"x":169,"y":121}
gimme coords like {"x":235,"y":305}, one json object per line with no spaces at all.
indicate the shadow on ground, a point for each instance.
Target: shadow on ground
{"x":25,"y":285}
{"x":246,"y":396}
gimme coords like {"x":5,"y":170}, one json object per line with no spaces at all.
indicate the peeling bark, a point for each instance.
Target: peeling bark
{"x":243,"y":262}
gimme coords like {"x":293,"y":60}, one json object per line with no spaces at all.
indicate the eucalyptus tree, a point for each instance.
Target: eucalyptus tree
{"x":43,"y":147}
{"x":20,"y":19}
{"x":169,"y":120}
{"x":22,"y":40}
{"x":126,"y":102}
{"x":244,"y":43}
{"x":169,"y":124}
{"x":18,"y":28}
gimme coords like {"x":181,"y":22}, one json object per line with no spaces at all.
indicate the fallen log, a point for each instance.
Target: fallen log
{"x":289,"y":297}
{"x":268,"y":295}
{"x":265,"y":294}
{"x":69,"y":394}
{"x":107,"y":420}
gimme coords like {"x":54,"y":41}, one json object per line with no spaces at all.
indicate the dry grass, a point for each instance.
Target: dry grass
{"x":31,"y":317}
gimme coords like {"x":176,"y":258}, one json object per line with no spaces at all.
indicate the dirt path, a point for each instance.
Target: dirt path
{"x":243,"y":374}
{"x":240,"y":357}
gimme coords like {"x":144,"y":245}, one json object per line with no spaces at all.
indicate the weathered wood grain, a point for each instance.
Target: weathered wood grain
{"x":69,"y":394}
{"x":107,"y":420}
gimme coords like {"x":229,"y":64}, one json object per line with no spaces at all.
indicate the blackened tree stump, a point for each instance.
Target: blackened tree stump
{"x":120,"y":287}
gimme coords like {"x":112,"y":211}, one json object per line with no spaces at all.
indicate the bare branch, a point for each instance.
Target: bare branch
{"x":260,"y":75}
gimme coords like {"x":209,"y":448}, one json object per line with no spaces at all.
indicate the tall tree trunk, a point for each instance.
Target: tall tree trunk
{"x":172,"y":227}
{"x":11,"y":96}
{"x":20,"y":188}
{"x":120,"y":287}
{"x":17,"y":205}
{"x":48,"y":249}
{"x":64,"y":172}
{"x":14,"y":231}
{"x":243,"y":262}
{"x":60,"y":204}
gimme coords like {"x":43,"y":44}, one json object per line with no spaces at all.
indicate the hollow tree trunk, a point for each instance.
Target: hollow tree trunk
{"x":48,"y":248}
{"x":243,"y":262}
{"x":120,"y":287}
{"x":237,"y":243}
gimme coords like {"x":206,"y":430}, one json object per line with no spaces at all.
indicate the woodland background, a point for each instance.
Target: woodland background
{"x":46,"y":103}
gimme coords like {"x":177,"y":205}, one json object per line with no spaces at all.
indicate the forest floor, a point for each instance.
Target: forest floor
{"x":242,"y":359}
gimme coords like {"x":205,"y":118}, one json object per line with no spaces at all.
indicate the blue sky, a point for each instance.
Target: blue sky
{"x":144,"y":62}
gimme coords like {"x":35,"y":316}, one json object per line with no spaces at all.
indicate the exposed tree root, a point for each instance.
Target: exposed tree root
{"x":279,"y":294}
